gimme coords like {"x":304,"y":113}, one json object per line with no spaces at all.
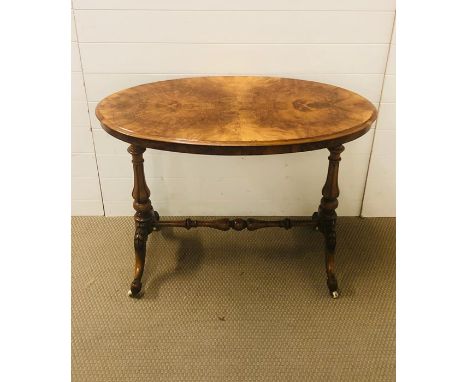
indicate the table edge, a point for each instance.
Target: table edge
{"x":241,"y":147}
{"x":283,"y":148}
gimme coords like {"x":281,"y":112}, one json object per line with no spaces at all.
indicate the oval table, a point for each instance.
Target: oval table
{"x":235,"y":116}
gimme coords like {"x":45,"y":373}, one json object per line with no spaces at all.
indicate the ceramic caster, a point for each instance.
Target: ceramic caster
{"x":135,"y":288}
{"x":133,"y":295}
{"x":332,"y":286}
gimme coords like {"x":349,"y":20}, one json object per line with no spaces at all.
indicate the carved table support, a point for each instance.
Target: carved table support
{"x":145,"y":217}
{"x":327,"y":216}
{"x":147,"y":220}
{"x":237,"y":224}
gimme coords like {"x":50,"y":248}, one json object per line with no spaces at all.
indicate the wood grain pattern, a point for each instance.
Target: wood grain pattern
{"x":237,"y":224}
{"x":144,"y":217}
{"x":236,"y":115}
{"x":327,"y":216}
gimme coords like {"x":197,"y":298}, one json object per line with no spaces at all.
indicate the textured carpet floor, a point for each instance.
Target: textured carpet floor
{"x":233,"y":306}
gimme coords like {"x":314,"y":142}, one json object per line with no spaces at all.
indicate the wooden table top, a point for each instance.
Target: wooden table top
{"x":236,"y":115}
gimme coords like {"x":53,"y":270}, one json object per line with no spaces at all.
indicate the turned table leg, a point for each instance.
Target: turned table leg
{"x":327,"y":216}
{"x":145,"y":217}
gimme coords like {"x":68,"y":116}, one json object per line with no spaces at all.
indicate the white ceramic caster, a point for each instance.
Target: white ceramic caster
{"x":335,"y":294}
{"x":138,"y":295}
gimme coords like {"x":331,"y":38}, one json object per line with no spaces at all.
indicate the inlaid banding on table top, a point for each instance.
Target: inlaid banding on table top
{"x":235,"y":111}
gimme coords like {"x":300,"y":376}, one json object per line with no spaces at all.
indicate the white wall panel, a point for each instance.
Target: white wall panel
{"x":79,"y":113}
{"x":387,"y":116}
{"x":226,"y":207}
{"x":233,"y":58}
{"x":108,"y":145}
{"x":285,"y":180}
{"x":81,"y":139}
{"x":83,"y":165}
{"x":73,"y":29}
{"x":391,"y":65}
{"x":380,"y":192}
{"x":379,"y":198}
{"x":234,"y":27}
{"x":85,"y":190}
{"x":95,"y":124}
{"x":389,"y":89}
{"x":384,"y":143}
{"x":75,"y":58}
{"x":86,"y":207}
{"x":373,"y":5}
{"x":347,"y":207}
{"x":77,"y":87}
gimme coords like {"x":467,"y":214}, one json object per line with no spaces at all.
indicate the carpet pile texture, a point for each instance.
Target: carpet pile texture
{"x":233,"y":306}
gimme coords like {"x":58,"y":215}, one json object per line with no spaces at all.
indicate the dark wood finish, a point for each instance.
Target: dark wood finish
{"x":327,"y":216}
{"x":145,"y":217}
{"x":236,"y":115}
{"x":237,"y":224}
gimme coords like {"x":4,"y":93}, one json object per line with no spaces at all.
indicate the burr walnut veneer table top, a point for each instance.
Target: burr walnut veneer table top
{"x":236,"y":115}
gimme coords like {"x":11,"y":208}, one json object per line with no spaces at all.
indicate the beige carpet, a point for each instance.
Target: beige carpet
{"x":233,"y":306}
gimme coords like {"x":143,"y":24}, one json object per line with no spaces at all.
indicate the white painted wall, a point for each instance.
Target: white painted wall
{"x":86,"y":193}
{"x":379,"y":197}
{"x":123,"y":43}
